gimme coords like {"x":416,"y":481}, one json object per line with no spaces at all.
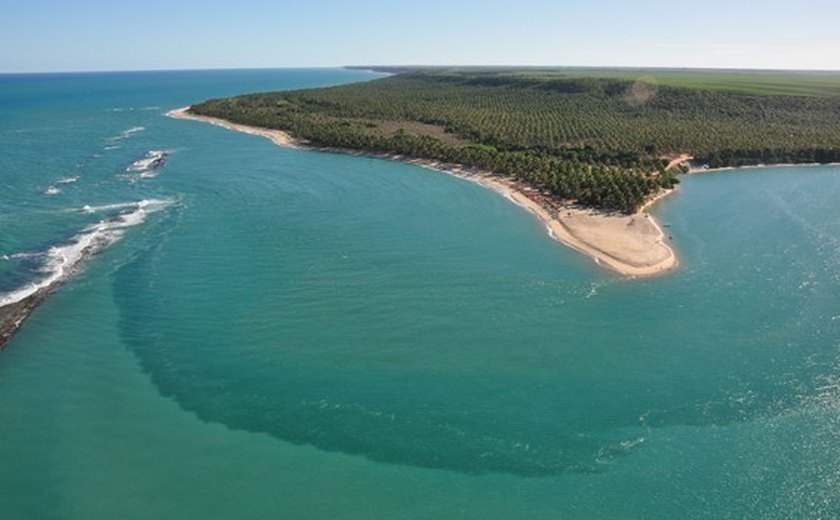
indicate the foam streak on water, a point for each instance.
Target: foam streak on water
{"x":125,"y":134}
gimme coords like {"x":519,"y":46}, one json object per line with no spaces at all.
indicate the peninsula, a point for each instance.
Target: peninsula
{"x":586,"y":153}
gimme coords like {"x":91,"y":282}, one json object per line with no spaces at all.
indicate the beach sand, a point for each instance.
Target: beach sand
{"x":278,"y":137}
{"x":631,"y":245}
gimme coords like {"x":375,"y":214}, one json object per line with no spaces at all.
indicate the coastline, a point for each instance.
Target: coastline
{"x":630,"y":245}
{"x":694,"y":170}
{"x":278,"y":137}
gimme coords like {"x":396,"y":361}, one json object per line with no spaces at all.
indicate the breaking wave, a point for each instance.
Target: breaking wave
{"x":148,"y":205}
{"x":62,"y":261}
{"x":146,"y":166}
{"x":125,"y":134}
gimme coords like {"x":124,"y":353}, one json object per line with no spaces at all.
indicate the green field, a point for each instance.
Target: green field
{"x":743,"y":82}
{"x":590,"y":136}
{"x":757,"y":82}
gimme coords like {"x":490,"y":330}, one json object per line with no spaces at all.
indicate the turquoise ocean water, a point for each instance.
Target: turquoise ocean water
{"x":282,"y":333}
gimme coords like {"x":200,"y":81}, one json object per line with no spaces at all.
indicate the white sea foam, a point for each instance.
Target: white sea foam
{"x":24,"y":255}
{"x":52,"y":190}
{"x":125,"y":134}
{"x":629,"y":444}
{"x":131,"y":109}
{"x":62,"y":261}
{"x":149,"y":205}
{"x":107,"y":207}
{"x":153,"y":159}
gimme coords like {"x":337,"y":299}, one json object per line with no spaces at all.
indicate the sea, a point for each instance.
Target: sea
{"x":263,"y":332}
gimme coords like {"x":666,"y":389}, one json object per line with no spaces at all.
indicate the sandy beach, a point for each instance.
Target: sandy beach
{"x":696,"y":169}
{"x":630,"y":245}
{"x":278,"y":137}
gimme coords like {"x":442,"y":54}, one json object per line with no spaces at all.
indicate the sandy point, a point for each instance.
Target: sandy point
{"x":630,"y":245}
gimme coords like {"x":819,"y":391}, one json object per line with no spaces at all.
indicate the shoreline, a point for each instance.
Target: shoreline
{"x":278,"y":137}
{"x":630,"y":245}
{"x":694,"y":170}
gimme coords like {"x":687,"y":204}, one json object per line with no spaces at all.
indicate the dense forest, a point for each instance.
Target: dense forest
{"x":599,"y":142}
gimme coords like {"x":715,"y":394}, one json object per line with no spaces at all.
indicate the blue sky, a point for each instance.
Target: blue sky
{"x":70,"y":35}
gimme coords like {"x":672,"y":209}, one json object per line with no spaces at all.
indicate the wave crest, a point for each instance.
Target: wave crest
{"x":64,"y":260}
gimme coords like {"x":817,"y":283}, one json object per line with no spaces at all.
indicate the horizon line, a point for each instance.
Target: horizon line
{"x":427,"y":66}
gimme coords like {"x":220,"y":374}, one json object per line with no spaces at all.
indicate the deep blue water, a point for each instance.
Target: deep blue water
{"x":274,"y":332}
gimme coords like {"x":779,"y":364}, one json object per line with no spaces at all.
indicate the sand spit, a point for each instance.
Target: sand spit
{"x":631,"y":245}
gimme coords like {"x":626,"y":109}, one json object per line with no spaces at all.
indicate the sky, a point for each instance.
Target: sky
{"x":94,"y":35}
